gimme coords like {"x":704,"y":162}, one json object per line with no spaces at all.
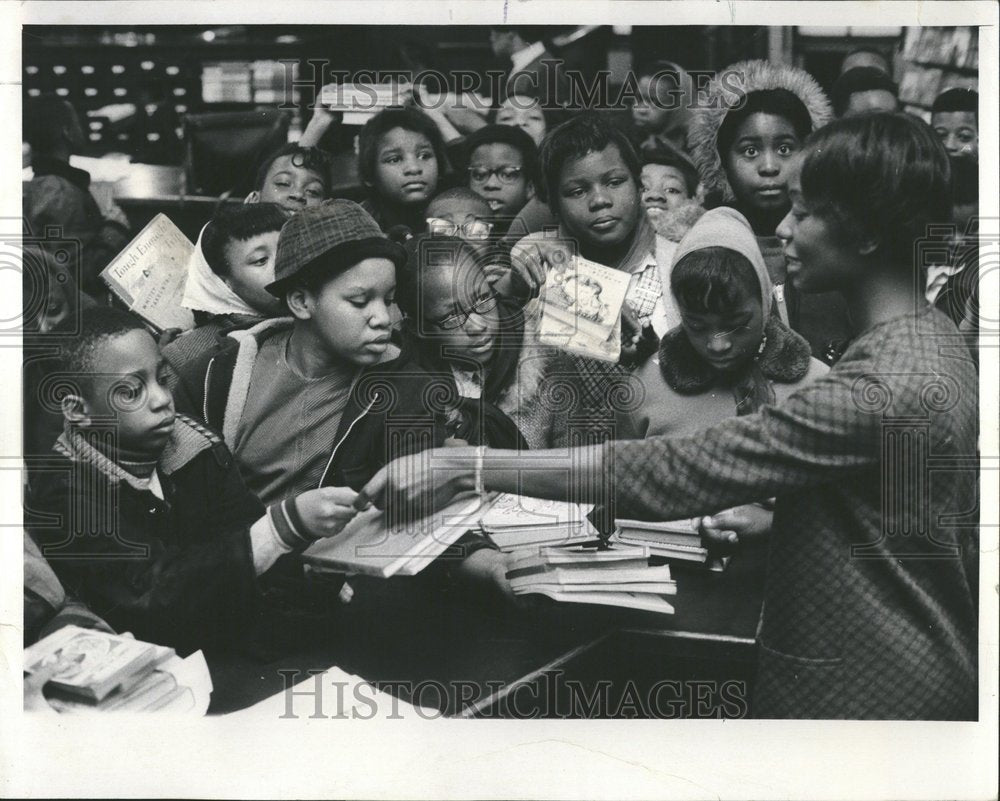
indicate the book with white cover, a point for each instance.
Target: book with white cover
{"x":630,"y":600}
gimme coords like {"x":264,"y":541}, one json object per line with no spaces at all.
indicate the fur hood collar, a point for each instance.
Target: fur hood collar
{"x":741,"y":79}
{"x":785,"y":359}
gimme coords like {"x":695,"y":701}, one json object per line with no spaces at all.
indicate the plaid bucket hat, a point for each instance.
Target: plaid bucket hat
{"x":327,"y":239}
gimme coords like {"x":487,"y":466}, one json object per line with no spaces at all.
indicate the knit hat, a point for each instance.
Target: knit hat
{"x":727,"y":92}
{"x":725,"y":227}
{"x":328,"y":239}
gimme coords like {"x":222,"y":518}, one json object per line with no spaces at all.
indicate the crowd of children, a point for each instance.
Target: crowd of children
{"x":768,"y":253}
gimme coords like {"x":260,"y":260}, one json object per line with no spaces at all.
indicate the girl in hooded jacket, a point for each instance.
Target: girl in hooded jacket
{"x":744,"y":140}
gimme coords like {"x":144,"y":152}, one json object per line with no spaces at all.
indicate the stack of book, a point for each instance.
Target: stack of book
{"x":675,"y":539}
{"x":619,"y":576}
{"x":101,"y":672}
{"x":513,"y":522}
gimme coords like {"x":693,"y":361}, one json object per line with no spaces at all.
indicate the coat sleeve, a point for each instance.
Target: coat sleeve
{"x":186,"y":590}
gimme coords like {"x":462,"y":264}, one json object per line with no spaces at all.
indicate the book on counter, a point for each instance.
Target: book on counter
{"x":513,"y":522}
{"x":674,"y":539}
{"x":102,"y":672}
{"x":149,"y":275}
{"x":617,"y":576}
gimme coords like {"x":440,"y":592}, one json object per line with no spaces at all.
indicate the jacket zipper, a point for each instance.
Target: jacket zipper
{"x":204,"y":401}
{"x":350,"y":428}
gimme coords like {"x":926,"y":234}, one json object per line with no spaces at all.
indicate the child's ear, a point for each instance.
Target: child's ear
{"x":531,"y":190}
{"x":75,"y":410}
{"x":299,"y":302}
{"x":253,"y":197}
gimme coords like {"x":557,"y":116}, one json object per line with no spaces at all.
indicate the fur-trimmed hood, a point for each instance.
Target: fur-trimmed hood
{"x":726,"y":93}
{"x":673,"y":224}
{"x":786,"y":359}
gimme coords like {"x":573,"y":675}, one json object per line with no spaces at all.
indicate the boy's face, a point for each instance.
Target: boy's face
{"x":649,"y":113}
{"x":870,"y":101}
{"x":959,"y":132}
{"x":523,"y":112}
{"x":726,"y":342}
{"x":406,"y":169}
{"x":662,"y":187}
{"x":251,"y":268}
{"x":758,"y":159}
{"x":291,"y":187}
{"x":129,"y":386}
{"x":818,"y":255}
{"x":598,"y":198}
{"x":349,"y":314}
{"x":449,"y":293}
{"x":496,"y":173}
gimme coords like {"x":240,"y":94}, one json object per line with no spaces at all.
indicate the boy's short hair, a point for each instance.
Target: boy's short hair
{"x":671,"y":158}
{"x":237,"y":223}
{"x":45,"y":118}
{"x":308,"y":158}
{"x":505,"y":135}
{"x":713,"y":280}
{"x":957,"y":99}
{"x":460,"y":193}
{"x":856,"y":51}
{"x":585,"y":133}
{"x":407,"y":118}
{"x":777,"y":102}
{"x":859,"y":79}
{"x":882,"y":175}
{"x":423,"y":252}
{"x":95,"y":326}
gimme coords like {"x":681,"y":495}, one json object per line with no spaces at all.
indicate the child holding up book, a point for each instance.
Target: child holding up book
{"x":869,"y":611}
{"x":148,"y":521}
{"x":401,"y":161}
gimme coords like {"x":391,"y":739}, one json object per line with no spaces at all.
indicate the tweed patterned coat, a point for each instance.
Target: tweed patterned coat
{"x":871,"y":601}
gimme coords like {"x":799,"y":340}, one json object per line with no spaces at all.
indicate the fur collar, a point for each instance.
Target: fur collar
{"x":785,"y":359}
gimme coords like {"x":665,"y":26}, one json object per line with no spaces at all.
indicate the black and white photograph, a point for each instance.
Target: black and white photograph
{"x":500,"y":400}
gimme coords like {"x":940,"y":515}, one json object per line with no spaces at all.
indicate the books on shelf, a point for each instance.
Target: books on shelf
{"x":512,"y":522}
{"x":618,"y":576}
{"x":581,"y":308}
{"x":149,"y":275}
{"x":103,"y":672}
{"x":675,"y":539}
{"x":372,"y":544}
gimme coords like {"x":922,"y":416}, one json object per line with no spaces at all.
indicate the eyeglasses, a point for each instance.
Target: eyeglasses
{"x":457,"y":320}
{"x":476,"y":229}
{"x":507,"y":175}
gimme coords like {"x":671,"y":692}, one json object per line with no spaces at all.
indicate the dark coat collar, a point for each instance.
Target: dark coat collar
{"x":42,"y":165}
{"x":785,"y":359}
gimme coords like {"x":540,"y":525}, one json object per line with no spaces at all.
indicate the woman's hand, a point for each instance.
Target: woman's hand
{"x":327,"y":510}
{"x":430,"y":479}
{"x":723,"y":531}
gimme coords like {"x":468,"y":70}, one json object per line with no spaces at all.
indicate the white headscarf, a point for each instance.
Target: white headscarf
{"x":207,"y":292}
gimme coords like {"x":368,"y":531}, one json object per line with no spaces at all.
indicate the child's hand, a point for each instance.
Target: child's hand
{"x":34,"y":700}
{"x":529,"y":263}
{"x":487,"y":569}
{"x":327,"y":510}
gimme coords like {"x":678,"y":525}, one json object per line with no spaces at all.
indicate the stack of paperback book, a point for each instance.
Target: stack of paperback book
{"x":513,"y":522}
{"x":101,"y":672}
{"x":675,"y":539}
{"x":617,"y":576}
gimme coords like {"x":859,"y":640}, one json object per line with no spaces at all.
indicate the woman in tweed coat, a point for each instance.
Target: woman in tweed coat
{"x":871,"y":600}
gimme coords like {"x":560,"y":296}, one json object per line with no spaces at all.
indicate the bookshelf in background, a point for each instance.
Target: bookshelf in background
{"x":936,"y":59}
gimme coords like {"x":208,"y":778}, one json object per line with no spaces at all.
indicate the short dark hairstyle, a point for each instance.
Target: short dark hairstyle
{"x":777,"y":102}
{"x":95,"y":326}
{"x":409,"y":119}
{"x":308,"y":158}
{"x":237,"y":223}
{"x":585,"y":133}
{"x":957,"y":99}
{"x":859,"y":79}
{"x":45,"y":117}
{"x":881,"y":175}
{"x":671,"y":158}
{"x":423,"y":252}
{"x":713,"y":280}
{"x":870,"y":50}
{"x":459,"y":193}
{"x":506,"y":135}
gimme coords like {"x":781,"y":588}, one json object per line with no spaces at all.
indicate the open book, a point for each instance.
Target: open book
{"x":149,"y":275}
